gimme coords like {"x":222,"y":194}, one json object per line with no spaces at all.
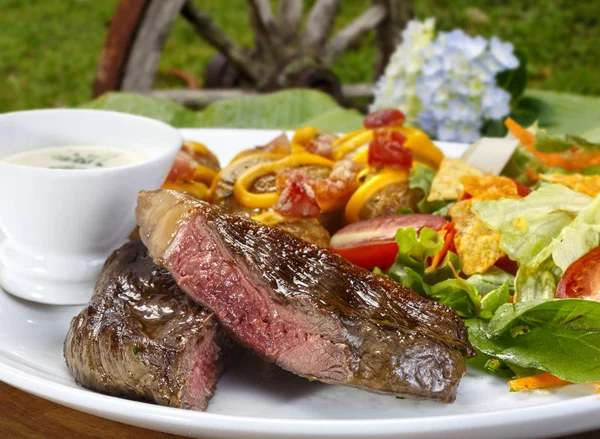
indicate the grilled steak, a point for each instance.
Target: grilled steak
{"x":141,"y":337}
{"x":302,"y":307}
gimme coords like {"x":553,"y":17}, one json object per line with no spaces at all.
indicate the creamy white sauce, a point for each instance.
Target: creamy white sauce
{"x":76,"y":157}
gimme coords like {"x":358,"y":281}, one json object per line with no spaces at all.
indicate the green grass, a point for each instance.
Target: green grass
{"x":49,"y":49}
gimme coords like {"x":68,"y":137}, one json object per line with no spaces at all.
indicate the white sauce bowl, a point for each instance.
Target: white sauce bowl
{"x":59,"y":224}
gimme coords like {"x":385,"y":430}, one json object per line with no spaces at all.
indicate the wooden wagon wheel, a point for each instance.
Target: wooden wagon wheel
{"x":284,"y":56}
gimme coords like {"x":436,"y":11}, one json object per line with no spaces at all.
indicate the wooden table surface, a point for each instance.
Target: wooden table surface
{"x":26,"y":416}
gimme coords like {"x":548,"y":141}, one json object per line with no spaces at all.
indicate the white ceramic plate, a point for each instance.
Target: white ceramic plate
{"x":256,"y":401}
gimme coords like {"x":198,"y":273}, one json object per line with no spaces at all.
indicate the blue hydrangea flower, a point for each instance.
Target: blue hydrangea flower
{"x":446,"y":84}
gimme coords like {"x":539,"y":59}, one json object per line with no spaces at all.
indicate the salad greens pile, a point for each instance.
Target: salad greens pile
{"x":515,"y":322}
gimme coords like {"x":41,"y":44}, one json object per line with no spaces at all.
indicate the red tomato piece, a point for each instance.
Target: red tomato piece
{"x":508,"y":265}
{"x":388,"y":117}
{"x":322,"y":145}
{"x":582,"y":279}
{"x":522,"y":190}
{"x":372,"y":243}
{"x":183,"y":168}
{"x":279,"y":144}
{"x":338,"y":187}
{"x":297,"y":198}
{"x":386,"y":149}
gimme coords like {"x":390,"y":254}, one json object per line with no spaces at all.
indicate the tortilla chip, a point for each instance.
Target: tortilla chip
{"x":477,"y":246}
{"x":490,"y":187}
{"x":586,"y":184}
{"x":446,"y":184}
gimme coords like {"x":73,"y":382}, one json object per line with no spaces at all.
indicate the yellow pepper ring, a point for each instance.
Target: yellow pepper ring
{"x":304,"y":135}
{"x":198,"y":147}
{"x":297,"y":148}
{"x":240,"y":162}
{"x":370,"y":188}
{"x":204,"y":174}
{"x":340,"y":140}
{"x":249,"y":176}
{"x":351,"y":144}
{"x":416,"y":140}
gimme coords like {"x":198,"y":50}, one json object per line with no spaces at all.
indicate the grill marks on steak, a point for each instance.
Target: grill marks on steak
{"x":302,"y":307}
{"x":141,"y":337}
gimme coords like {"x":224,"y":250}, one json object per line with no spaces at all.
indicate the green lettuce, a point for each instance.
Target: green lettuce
{"x":561,"y":144}
{"x":537,"y":283}
{"x":494,"y":300}
{"x":528,"y":225}
{"x":459,"y":295}
{"x":410,"y":269}
{"x":581,"y":236}
{"x":491,"y":280}
{"x":559,"y":336}
{"x":420,"y":178}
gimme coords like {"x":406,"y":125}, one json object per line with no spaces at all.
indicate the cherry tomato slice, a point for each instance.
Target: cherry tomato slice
{"x":387,"y":117}
{"x":372,"y":243}
{"x":582,"y":279}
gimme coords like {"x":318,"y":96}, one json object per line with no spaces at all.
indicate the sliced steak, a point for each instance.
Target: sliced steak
{"x":302,"y":307}
{"x":141,"y":337}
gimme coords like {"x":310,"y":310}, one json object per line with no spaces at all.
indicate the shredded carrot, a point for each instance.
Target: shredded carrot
{"x":448,"y":231}
{"x":539,"y":381}
{"x":454,"y":272}
{"x":569,"y":160}
{"x":532,"y":176}
{"x":524,"y":136}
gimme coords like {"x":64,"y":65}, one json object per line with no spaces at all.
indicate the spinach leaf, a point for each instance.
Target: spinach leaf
{"x":559,"y":336}
{"x":459,"y":295}
{"x":494,"y":300}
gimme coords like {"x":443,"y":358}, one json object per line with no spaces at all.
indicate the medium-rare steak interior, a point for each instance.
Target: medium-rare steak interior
{"x":302,"y":307}
{"x":141,"y":337}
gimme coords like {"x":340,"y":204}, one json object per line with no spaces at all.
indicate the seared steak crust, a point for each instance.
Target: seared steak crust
{"x":141,"y":337}
{"x":303,"y":307}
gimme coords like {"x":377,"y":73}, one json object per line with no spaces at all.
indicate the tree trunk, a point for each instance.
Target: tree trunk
{"x":389,"y":32}
{"x":147,"y":49}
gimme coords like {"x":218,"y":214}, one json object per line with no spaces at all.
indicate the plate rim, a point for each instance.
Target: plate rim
{"x":515,"y":422}
{"x":577,"y":411}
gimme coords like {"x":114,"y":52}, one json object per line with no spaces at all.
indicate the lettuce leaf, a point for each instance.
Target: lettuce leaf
{"x":410,"y":270}
{"x":559,"y":336}
{"x":581,"y":236}
{"x":421,"y":178}
{"x":537,"y":283}
{"x":528,"y":225}
{"x":491,"y":280}
{"x":560,"y":144}
{"x":420,"y":247}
